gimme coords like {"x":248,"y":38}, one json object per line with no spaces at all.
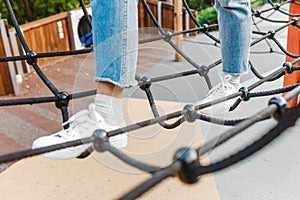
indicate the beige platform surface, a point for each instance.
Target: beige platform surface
{"x":101,"y":176}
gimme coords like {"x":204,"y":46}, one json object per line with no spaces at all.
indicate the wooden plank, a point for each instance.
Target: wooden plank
{"x":293,"y":45}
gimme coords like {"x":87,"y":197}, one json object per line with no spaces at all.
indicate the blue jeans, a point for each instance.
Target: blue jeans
{"x":235,"y":34}
{"x":115,"y":36}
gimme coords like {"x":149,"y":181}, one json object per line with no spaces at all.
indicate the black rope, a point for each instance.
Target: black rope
{"x":172,"y":44}
{"x":214,"y":120}
{"x":261,"y":115}
{"x":273,"y":92}
{"x":197,"y":23}
{"x":130,"y":161}
{"x":16,"y":26}
{"x":156,"y":178}
{"x":213,"y":143}
{"x":273,"y":20}
{"x":173,"y":34}
{"x":282,"y":11}
{"x":290,"y":117}
{"x":48,"y":55}
{"x":156,"y":114}
{"x":256,"y":26}
{"x":86,"y":14}
{"x":34,"y":152}
{"x":284,"y":50}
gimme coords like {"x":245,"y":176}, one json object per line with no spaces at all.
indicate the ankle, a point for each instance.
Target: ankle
{"x":110,"y":108}
{"x":109,"y":89}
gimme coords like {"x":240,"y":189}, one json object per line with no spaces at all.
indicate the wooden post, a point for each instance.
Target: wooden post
{"x":178,"y":26}
{"x":293,"y":45}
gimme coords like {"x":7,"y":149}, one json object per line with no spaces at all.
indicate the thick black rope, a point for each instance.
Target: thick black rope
{"x":156,"y":178}
{"x":263,"y":114}
{"x":287,"y":120}
{"x":34,"y":152}
{"x":273,"y":92}
{"x":156,"y":114}
{"x":130,"y":161}
{"x":277,"y":7}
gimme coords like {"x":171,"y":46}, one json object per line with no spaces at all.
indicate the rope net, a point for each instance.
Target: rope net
{"x":186,"y":163}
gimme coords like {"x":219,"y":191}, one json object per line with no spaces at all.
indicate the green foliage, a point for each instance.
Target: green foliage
{"x":199,"y":4}
{"x":208,"y":16}
{"x":257,"y":3}
{"x":30,"y":10}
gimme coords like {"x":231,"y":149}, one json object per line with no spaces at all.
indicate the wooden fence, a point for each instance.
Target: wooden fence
{"x":48,"y":35}
{"x":164,"y":12}
{"x":54,"y":34}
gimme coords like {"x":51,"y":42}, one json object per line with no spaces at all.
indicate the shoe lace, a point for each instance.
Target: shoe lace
{"x":85,"y":119}
{"x":219,"y":89}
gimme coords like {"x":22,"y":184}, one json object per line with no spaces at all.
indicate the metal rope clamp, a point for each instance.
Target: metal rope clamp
{"x":205,"y":28}
{"x":189,"y":113}
{"x":202,"y":70}
{"x":100,"y":137}
{"x":271,"y":34}
{"x":288,"y":68}
{"x":245,"y":93}
{"x":63,"y":100}
{"x":281,"y":104}
{"x":168,"y":36}
{"x":146,"y":83}
{"x":189,"y":161}
{"x":31,"y":57}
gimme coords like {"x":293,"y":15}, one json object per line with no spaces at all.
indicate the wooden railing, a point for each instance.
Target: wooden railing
{"x":48,"y":35}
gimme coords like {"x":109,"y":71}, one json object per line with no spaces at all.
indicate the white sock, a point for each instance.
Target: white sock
{"x":110,"y":108}
{"x":235,"y":80}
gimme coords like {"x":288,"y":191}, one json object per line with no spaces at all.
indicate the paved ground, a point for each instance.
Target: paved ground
{"x":271,"y":174}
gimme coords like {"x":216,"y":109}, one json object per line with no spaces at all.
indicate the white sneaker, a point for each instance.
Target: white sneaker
{"x":82,"y":125}
{"x":221,"y":90}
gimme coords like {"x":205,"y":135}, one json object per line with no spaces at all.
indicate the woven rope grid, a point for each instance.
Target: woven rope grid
{"x":186,"y":161}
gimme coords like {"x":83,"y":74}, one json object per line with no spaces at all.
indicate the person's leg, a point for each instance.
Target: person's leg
{"x":115,"y":40}
{"x":234,"y":18}
{"x":115,"y":36}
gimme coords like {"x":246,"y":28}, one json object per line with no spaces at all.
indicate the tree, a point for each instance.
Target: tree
{"x":30,"y":10}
